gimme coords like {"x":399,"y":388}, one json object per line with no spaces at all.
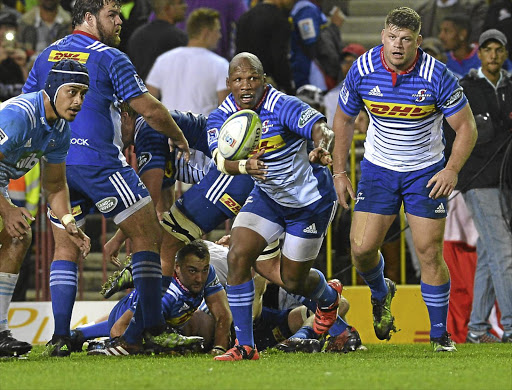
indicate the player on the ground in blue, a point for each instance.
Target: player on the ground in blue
{"x":97,"y":172}
{"x":293,"y":194}
{"x":406,"y":93}
{"x":35,"y":126}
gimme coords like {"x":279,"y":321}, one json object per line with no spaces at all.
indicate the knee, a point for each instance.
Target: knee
{"x":293,"y":284}
{"x":362,"y":252}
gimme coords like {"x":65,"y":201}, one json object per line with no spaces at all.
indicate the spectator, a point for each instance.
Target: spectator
{"x":499,"y":16}
{"x":461,"y":54}
{"x":229,"y":13}
{"x":192,"y":78}
{"x":489,"y":200}
{"x":43,"y":25}
{"x":313,"y":53}
{"x":264,"y":31}
{"x":434,"y":47}
{"x":157,"y":36}
{"x":133,"y":14}
{"x":433,"y":12}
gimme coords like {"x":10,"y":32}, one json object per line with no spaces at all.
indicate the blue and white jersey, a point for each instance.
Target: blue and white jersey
{"x":179,"y":304}
{"x":153,"y":152}
{"x":287,"y":123}
{"x":406,"y":110}
{"x":96,"y":131}
{"x":26,"y":136}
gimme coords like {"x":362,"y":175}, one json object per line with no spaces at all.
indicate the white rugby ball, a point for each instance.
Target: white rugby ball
{"x":239,"y":135}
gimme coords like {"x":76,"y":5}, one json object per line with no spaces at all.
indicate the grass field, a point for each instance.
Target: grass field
{"x":383,"y":366}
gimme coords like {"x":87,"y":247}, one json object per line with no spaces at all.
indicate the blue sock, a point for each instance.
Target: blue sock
{"x":133,"y":334}
{"x":339,"y":326}
{"x":101,"y":329}
{"x":306,"y":332}
{"x":324,"y":294}
{"x":240,"y":300}
{"x":166,"y":281}
{"x":63,"y":286}
{"x":374,"y":278}
{"x":147,"y":278}
{"x":436,"y":298}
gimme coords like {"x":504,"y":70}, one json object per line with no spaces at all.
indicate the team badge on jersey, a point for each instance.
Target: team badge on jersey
{"x":421,"y":95}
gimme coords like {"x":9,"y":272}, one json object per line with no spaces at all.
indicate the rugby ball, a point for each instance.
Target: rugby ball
{"x":239,"y":135}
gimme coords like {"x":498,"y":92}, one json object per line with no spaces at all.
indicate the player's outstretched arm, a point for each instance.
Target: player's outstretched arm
{"x":323,"y":138}
{"x":343,"y":127}
{"x":219,"y":308}
{"x":444,"y":181}
{"x":56,"y":189}
{"x":159,"y":118}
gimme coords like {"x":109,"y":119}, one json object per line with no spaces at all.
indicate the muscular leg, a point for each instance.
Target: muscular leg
{"x":435,"y":277}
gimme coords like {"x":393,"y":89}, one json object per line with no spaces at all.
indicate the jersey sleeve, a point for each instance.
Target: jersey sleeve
{"x":125,"y":80}
{"x":14,"y":123}
{"x":298,"y":116}
{"x":213,"y":125}
{"x":212,"y":285}
{"x":194,"y":129}
{"x":451,"y":98}
{"x":151,"y":148}
{"x":349,"y":99}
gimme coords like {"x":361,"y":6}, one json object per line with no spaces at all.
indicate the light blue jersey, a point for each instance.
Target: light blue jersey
{"x":26,"y":136}
{"x":96,"y":131}
{"x":406,"y":109}
{"x":287,"y":123}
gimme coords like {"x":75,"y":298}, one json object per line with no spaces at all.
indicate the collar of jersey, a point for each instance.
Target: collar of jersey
{"x":393,"y":73}
{"x":80,"y":32}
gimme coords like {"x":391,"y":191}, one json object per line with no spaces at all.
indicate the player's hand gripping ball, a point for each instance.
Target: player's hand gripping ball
{"x":239,"y":135}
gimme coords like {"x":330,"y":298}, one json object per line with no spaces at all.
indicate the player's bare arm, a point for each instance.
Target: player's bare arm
{"x":323,"y":138}
{"x":219,"y":308}
{"x":343,"y":127}
{"x":463,"y":123}
{"x":158,"y":117}
{"x":56,"y":190}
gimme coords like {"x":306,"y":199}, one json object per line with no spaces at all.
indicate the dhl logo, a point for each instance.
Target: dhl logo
{"x":230,"y":203}
{"x":269,"y":144}
{"x":56,"y":56}
{"x":399,"y":110}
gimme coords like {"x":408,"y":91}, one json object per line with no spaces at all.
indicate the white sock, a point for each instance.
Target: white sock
{"x":7,"y":284}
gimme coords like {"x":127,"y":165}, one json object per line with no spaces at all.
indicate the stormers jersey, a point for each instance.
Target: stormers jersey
{"x":96,"y":131}
{"x":406,"y":110}
{"x":179,"y":304}
{"x":153,"y":152}
{"x":25,"y":136}
{"x":287,"y":122}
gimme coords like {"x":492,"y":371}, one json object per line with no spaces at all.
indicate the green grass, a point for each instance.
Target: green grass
{"x":383,"y":366}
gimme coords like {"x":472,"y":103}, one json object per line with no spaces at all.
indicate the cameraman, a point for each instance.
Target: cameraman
{"x":486,"y":184}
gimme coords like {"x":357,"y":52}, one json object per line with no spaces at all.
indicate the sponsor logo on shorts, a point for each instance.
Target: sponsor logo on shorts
{"x":440,"y":209}
{"x":230,"y":203}
{"x":143,"y":159}
{"x":248,"y":200}
{"x":106,"y":205}
{"x":454,"y":99}
{"x":311,"y":229}
{"x":359,"y":197}
{"x":399,"y":110}
{"x":3,"y":137}
{"x":56,"y":56}
{"x":306,"y":116}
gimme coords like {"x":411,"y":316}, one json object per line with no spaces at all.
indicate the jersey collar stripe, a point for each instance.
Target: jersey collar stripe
{"x":93,"y":45}
{"x":104,"y":48}
{"x":224,"y":109}
{"x":231,"y":105}
{"x":359,"y":61}
{"x":370,"y":60}
{"x":365,"y":58}
{"x":277,"y":96}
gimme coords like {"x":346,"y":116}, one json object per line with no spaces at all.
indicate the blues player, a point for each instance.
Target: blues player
{"x":32,"y":126}
{"x":406,"y":93}
{"x":194,"y":279}
{"x":97,"y":172}
{"x":293,"y":194}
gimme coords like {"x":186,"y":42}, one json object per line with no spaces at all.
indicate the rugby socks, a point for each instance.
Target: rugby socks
{"x":147,"y":278}
{"x":7,"y":284}
{"x":166,"y":282}
{"x":306,"y":332}
{"x":133,"y":334}
{"x":339,"y":326}
{"x":63,"y":287}
{"x":436,"y":298}
{"x":374,"y":278}
{"x":101,"y":329}
{"x":240,"y":300}
{"x":323,"y":294}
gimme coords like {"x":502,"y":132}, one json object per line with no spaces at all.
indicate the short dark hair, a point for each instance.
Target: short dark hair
{"x":461,"y":22}
{"x":199,"y":19}
{"x":197,"y":248}
{"x":81,"y":7}
{"x":404,"y":17}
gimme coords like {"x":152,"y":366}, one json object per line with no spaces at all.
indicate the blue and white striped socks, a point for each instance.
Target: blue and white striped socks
{"x":240,"y":300}
{"x":7,"y":284}
{"x":63,"y":287}
{"x":436,"y":298}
